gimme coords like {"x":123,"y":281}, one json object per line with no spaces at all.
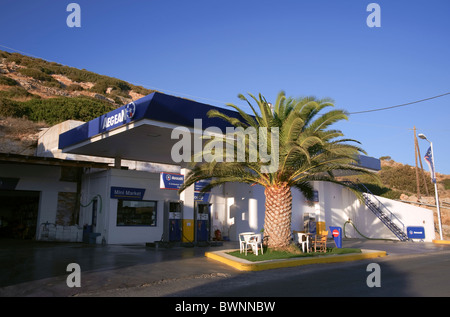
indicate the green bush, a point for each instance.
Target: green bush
{"x":43,"y":76}
{"x":403,"y":179}
{"x":119,"y":87}
{"x":10,"y":108}
{"x":383,"y":191}
{"x":36,"y":74}
{"x":55,"y":110}
{"x":15,"y":92}
{"x":446,"y":183}
{"x":7,"y":81}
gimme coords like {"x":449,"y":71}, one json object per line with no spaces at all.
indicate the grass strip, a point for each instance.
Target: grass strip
{"x":277,"y":255}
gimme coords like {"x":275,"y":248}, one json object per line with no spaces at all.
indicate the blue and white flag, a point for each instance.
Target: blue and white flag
{"x":430,"y":161}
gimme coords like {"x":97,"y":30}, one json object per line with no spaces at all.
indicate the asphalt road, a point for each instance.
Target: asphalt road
{"x":426,"y":275}
{"x":39,"y":270}
{"x":402,"y":276}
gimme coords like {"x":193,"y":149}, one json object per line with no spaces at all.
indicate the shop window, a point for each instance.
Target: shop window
{"x":136,"y":213}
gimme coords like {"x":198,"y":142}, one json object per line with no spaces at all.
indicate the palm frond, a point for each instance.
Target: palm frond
{"x":306,"y":149}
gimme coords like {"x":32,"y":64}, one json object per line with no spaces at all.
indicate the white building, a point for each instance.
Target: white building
{"x":112,"y":180}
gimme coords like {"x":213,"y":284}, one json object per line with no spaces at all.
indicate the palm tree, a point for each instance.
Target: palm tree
{"x":297,"y":138}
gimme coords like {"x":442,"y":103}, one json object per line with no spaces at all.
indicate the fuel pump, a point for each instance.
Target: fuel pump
{"x":202,"y":221}
{"x":309,"y":222}
{"x":173,"y":217}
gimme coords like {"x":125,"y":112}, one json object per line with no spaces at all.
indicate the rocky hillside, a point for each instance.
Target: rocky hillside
{"x":36,"y":94}
{"x":42,"y":79}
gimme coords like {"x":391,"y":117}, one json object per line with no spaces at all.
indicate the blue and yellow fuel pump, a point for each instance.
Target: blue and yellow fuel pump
{"x":202,"y":222}
{"x":173,"y":221}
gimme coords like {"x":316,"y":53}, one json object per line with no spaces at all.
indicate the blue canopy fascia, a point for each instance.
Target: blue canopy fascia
{"x":156,"y":106}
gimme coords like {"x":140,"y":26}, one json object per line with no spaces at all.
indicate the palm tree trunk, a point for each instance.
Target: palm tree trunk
{"x":277,"y":222}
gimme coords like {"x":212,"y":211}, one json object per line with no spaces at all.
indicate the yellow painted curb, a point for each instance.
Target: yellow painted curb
{"x":441,"y":241}
{"x":244,"y":265}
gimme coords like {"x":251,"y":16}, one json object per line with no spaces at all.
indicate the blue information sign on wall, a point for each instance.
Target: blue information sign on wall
{"x":416,"y":232}
{"x":170,"y":180}
{"x":127,"y":193}
{"x":198,"y":186}
{"x":203,"y":197}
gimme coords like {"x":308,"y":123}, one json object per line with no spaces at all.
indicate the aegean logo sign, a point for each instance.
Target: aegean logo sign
{"x":115,"y":119}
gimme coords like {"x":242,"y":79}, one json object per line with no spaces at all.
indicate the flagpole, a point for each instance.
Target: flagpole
{"x":433,"y":177}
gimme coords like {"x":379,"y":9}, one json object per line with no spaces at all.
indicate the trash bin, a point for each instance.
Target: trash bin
{"x":89,"y":237}
{"x":336,"y":232}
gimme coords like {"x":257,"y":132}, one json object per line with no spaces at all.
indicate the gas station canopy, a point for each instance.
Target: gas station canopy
{"x":141,"y":130}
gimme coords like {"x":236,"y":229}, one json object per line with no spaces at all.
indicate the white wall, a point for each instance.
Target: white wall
{"x":239,"y":207}
{"x":341,"y":205}
{"x":101,"y":182}
{"x":408,"y":215}
{"x":44,"y":179}
{"x":243,"y":210}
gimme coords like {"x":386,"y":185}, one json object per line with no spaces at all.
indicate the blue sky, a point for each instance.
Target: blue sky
{"x":212,"y":50}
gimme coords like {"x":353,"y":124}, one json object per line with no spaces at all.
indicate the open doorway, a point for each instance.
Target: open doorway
{"x":18,"y":214}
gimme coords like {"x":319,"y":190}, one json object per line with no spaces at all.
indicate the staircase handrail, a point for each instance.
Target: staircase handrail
{"x":381,"y":204}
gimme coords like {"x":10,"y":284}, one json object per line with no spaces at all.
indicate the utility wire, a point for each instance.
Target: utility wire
{"x":217,"y":101}
{"x":401,"y":105}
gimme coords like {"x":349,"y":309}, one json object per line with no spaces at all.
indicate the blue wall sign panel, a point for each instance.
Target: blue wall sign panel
{"x":170,"y":181}
{"x":416,"y":232}
{"x":127,"y":193}
{"x":199,"y":185}
{"x":203,"y":197}
{"x":198,"y":195}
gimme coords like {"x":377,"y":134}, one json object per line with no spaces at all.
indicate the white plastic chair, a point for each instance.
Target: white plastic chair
{"x":303,"y":239}
{"x":243,"y":241}
{"x":255,"y":242}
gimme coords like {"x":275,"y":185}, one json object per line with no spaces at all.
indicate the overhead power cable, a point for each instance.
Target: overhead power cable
{"x":401,"y":105}
{"x":217,"y":101}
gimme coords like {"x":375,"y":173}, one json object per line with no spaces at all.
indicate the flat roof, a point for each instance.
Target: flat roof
{"x":38,"y":160}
